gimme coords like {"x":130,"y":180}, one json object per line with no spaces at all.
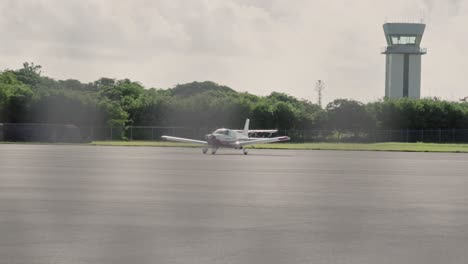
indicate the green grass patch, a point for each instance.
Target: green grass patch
{"x":407,"y":147}
{"x":390,"y":146}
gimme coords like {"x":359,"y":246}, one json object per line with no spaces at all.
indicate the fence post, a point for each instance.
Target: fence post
{"x":131,"y":133}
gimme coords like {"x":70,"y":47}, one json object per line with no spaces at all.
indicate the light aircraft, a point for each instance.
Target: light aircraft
{"x":230,"y":138}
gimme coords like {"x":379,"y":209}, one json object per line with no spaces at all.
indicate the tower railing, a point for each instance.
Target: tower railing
{"x":403,"y":49}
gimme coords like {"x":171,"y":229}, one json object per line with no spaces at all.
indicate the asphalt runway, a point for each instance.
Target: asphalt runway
{"x":120,"y":205}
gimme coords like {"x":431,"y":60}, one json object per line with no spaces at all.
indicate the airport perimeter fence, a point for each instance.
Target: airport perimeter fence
{"x":73,"y":134}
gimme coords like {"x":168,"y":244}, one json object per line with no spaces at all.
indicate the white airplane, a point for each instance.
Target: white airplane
{"x":229,"y":138}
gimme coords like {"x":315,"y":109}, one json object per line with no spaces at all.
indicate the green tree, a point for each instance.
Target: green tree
{"x":263,"y":115}
{"x":194,"y":88}
{"x":30,"y":74}
{"x":15,"y":98}
{"x":348,"y":114}
{"x":284,"y":115}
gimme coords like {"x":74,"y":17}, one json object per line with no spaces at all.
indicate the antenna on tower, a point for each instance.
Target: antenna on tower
{"x":319,"y":87}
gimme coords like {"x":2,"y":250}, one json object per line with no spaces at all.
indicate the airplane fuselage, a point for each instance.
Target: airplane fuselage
{"x":225,"y":138}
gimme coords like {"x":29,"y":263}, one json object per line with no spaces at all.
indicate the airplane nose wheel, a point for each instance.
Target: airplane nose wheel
{"x":205,"y":150}
{"x":245,"y":151}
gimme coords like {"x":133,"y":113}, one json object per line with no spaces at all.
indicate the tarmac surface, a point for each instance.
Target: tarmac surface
{"x":120,"y":205}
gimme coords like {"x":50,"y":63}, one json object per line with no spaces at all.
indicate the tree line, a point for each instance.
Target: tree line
{"x":26,"y":96}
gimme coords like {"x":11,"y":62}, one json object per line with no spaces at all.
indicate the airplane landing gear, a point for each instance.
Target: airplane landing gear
{"x":245,"y":151}
{"x":213,"y":151}
{"x":205,"y":150}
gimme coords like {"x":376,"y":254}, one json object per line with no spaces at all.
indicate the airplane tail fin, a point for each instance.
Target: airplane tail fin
{"x":246,"y":127}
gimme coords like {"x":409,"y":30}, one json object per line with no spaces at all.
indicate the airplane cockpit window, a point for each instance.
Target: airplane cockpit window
{"x":222,"y":132}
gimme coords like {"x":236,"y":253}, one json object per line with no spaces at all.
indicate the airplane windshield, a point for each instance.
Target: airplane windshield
{"x":221,"y":132}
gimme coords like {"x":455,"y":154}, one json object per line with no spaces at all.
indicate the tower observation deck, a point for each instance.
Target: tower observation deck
{"x":403,"y":59}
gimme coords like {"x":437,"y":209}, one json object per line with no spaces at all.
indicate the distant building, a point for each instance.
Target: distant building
{"x":403,"y":59}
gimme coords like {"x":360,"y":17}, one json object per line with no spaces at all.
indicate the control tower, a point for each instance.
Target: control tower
{"x":403,"y":62}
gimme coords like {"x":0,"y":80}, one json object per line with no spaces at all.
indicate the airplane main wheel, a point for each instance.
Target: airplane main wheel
{"x":245,"y":152}
{"x":205,"y":150}
{"x":213,"y":151}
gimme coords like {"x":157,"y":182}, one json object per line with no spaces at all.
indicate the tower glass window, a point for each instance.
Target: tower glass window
{"x":403,"y":40}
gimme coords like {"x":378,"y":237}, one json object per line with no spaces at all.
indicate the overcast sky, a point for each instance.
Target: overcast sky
{"x":257,"y":46}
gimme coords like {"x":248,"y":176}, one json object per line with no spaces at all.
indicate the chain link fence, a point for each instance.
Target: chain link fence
{"x":74,"y":134}
{"x":374,"y":136}
{"x":143,"y":133}
{"x":27,"y":132}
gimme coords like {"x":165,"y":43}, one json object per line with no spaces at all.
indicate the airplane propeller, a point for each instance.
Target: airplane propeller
{"x":210,"y":138}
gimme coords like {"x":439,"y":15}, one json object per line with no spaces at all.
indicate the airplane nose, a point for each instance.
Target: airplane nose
{"x":210,"y":137}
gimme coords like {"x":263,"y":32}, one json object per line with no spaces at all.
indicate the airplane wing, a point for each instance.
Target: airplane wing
{"x":264,"y":140}
{"x":260,"y":131}
{"x":264,"y":131}
{"x":184,"y":140}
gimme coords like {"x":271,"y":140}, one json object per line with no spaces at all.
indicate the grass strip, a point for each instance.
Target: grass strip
{"x":390,"y":146}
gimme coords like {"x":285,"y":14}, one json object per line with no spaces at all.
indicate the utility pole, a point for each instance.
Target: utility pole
{"x":319,"y":87}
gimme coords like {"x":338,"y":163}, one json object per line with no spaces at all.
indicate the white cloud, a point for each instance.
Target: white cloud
{"x":251,"y":45}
